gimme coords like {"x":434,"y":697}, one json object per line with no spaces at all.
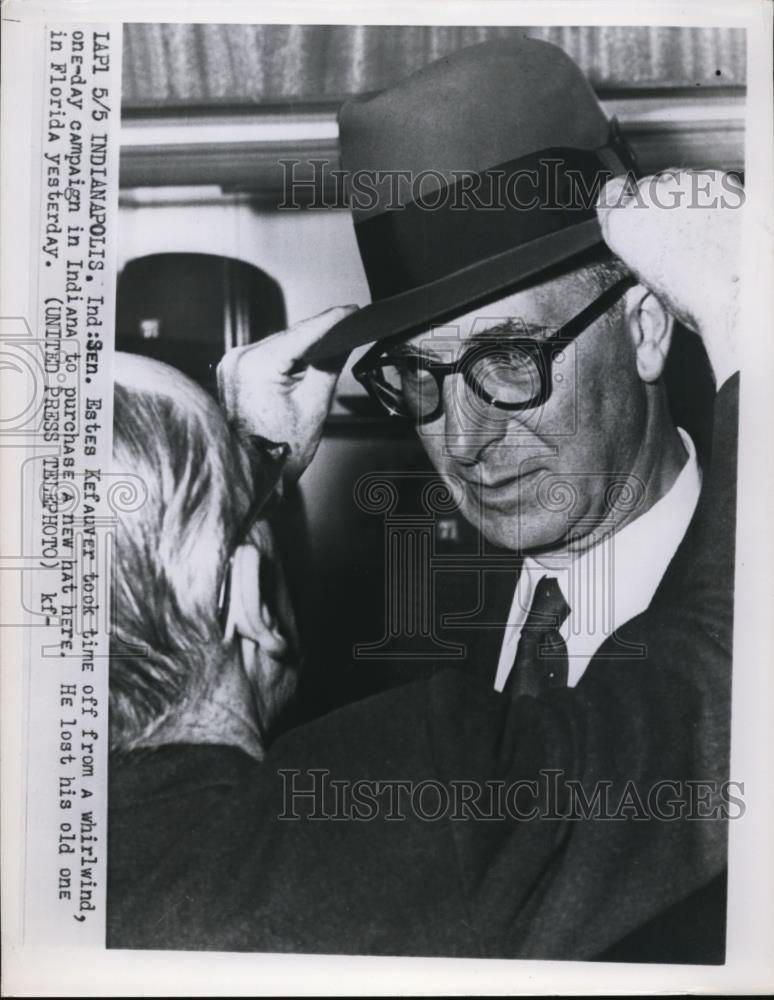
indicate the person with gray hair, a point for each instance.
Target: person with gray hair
{"x":174,"y":675}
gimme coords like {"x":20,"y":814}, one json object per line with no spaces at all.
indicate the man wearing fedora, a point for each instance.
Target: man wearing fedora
{"x":527,"y":356}
{"x":531,"y":359}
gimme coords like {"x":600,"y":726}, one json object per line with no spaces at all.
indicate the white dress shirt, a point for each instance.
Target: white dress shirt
{"x":611,"y":582}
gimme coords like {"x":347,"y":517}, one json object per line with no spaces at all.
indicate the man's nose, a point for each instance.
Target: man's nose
{"x":469,"y":424}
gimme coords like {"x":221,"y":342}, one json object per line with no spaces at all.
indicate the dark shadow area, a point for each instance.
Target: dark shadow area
{"x":187,"y":309}
{"x":676,"y":936}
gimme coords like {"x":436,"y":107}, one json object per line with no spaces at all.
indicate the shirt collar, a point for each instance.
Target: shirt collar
{"x":614,"y":580}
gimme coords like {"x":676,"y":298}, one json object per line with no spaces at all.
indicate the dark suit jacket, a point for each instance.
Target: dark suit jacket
{"x":200,"y":858}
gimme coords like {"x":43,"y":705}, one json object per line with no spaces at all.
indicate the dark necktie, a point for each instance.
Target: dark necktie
{"x":541,"y":656}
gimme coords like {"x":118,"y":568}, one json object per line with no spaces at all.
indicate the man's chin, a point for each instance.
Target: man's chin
{"x":517,"y":535}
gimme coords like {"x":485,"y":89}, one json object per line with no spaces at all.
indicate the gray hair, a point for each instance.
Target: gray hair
{"x":603,"y":272}
{"x":166,"y":650}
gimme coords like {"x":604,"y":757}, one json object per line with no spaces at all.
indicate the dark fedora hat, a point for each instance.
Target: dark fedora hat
{"x":469,"y":179}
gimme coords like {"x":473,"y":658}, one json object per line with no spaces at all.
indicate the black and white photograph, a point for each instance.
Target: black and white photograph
{"x":385,"y":559}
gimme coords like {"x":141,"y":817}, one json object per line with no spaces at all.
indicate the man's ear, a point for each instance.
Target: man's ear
{"x":650,"y":326}
{"x":250,"y":612}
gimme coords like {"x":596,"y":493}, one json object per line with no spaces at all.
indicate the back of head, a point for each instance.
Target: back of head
{"x":166,"y":647}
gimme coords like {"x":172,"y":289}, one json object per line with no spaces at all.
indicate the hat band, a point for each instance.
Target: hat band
{"x":481,"y":215}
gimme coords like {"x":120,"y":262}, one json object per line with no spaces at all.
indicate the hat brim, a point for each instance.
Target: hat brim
{"x":454,"y":294}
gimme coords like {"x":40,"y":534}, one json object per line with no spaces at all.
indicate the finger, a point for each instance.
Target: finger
{"x":227,"y":375}
{"x":319,"y":384}
{"x":301,"y":336}
{"x":610,"y":194}
{"x":614,"y":196}
{"x":276,"y":356}
{"x":279,"y":351}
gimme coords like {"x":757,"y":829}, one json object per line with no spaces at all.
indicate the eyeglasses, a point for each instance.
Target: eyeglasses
{"x":510,"y":374}
{"x":267,"y":462}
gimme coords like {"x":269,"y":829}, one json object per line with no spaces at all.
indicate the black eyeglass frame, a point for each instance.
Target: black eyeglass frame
{"x":272,"y":457}
{"x":542,"y":352}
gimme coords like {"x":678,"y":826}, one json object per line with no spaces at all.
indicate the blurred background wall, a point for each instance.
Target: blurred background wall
{"x":187,"y":64}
